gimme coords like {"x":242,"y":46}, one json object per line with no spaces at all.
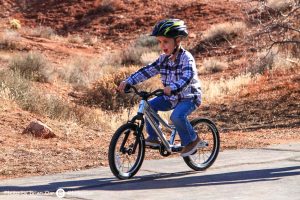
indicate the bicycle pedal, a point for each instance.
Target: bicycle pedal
{"x":177,"y":149}
{"x":202,"y":144}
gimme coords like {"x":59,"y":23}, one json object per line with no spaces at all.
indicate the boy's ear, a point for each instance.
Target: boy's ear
{"x":178,"y":39}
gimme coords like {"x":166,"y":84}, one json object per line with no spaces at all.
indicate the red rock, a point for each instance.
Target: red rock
{"x":39,"y":129}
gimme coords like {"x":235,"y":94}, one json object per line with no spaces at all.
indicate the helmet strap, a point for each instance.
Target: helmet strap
{"x":175,"y":48}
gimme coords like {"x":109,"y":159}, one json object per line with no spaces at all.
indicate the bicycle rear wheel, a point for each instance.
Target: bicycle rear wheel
{"x":126,"y":151}
{"x":208,"y":149}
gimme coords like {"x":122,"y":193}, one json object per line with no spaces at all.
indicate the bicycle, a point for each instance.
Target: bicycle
{"x":127,"y":147}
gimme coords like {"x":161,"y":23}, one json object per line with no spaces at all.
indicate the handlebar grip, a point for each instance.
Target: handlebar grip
{"x":159,"y":92}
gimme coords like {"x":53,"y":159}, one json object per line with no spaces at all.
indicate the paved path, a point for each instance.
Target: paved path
{"x":269,"y":174}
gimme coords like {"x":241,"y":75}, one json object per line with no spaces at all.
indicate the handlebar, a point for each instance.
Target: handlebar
{"x":143,"y":94}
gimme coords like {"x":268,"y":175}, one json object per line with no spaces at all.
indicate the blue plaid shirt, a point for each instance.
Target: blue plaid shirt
{"x":180,"y":75}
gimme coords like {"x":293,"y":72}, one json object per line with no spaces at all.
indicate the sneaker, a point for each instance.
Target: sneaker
{"x":190,"y":148}
{"x":152,"y":142}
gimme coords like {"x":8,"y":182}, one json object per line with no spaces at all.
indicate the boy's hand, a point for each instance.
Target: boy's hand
{"x":167,"y":91}
{"x":122,"y":86}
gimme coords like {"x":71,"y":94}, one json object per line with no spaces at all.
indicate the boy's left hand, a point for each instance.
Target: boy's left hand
{"x":167,"y":91}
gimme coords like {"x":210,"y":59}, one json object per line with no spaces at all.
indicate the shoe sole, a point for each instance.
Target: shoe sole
{"x":192,"y":151}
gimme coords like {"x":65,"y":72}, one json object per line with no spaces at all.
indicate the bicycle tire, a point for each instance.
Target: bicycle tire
{"x":115,"y":152}
{"x":204,"y":128}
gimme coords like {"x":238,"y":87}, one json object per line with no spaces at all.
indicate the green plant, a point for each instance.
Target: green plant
{"x":15,"y":24}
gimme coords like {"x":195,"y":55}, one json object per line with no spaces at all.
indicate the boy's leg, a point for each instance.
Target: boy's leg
{"x":157,"y":104}
{"x":183,"y":126}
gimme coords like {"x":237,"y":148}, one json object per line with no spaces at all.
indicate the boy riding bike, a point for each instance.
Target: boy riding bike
{"x":182,"y":90}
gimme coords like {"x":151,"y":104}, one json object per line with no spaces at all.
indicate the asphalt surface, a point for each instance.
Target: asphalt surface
{"x":269,"y":173}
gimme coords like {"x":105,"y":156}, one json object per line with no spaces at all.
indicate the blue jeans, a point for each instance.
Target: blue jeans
{"x":178,"y":117}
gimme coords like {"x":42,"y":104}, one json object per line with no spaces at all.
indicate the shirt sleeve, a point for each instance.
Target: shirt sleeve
{"x":188,"y":66}
{"x":144,"y":73}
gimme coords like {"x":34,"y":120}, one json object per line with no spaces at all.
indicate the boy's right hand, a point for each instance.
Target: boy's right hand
{"x":122,"y":86}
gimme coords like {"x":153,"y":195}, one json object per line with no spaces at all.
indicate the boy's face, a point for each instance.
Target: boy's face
{"x":167,"y":45}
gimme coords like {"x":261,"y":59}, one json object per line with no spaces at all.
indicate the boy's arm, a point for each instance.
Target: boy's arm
{"x":187,"y":76}
{"x":144,"y":73}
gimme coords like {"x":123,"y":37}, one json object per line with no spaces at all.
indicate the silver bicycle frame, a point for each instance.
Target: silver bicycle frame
{"x":144,"y":108}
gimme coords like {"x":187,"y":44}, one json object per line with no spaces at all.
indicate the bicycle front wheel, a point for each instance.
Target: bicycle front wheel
{"x":126,"y":151}
{"x":209,"y":146}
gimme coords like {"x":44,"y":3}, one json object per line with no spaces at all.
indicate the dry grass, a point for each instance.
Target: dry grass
{"x":141,"y":52}
{"x":270,"y":60}
{"x":32,"y":66}
{"x":144,"y":44}
{"x":104,"y":91}
{"x":280,"y":5}
{"x":9,"y":40}
{"x":90,"y":39}
{"x":212,"y":65}
{"x":223,"y":31}
{"x":80,"y":71}
{"x":111,"y":59}
{"x":111,"y":5}
{"x":215,"y":91}
{"x":75,"y":39}
{"x":16,"y":88}
{"x":149,"y":57}
{"x":40,"y":31}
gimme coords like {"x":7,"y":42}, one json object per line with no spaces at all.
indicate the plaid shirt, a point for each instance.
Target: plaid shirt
{"x":180,"y":76}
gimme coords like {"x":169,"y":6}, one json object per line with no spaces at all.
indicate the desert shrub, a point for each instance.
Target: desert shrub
{"x":146,"y":41}
{"x":104,"y":93}
{"x":111,"y":5}
{"x":80,"y":71}
{"x":56,"y":107}
{"x":15,"y":24}
{"x":144,"y":44}
{"x":15,"y":87}
{"x":9,"y":39}
{"x":264,"y":62}
{"x":223,"y":31}
{"x":32,"y":66}
{"x":272,"y":60}
{"x":42,"y":31}
{"x":90,"y":39}
{"x":75,"y":39}
{"x":111,"y":59}
{"x":280,"y":5}
{"x":213,"y":65}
